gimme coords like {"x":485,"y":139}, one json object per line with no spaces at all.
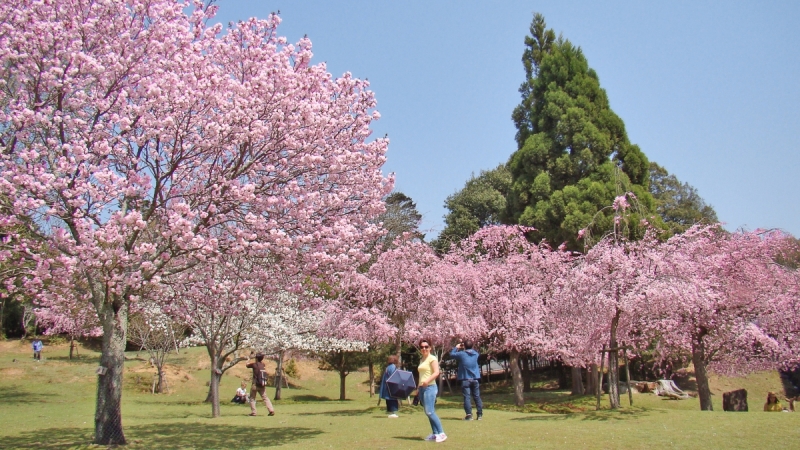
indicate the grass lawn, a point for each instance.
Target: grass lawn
{"x":51,"y":405}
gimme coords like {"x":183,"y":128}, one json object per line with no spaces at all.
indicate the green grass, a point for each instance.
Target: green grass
{"x":51,"y":405}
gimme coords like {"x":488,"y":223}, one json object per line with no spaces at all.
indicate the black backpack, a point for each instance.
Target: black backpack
{"x":260,"y":379}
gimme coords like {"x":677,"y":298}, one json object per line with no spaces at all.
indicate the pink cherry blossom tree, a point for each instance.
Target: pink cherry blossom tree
{"x":387,"y":303}
{"x":601,"y":299}
{"x":517,"y":281}
{"x":75,"y":319}
{"x":604,"y":300}
{"x":715,"y":295}
{"x":143,"y":142}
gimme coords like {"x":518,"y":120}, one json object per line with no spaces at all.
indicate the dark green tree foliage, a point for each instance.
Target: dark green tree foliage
{"x":401,"y":216}
{"x":573,"y":154}
{"x":678,"y":204}
{"x":481,"y":202}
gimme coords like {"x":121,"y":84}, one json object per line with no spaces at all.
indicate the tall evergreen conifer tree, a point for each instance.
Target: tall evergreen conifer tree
{"x":573,"y":154}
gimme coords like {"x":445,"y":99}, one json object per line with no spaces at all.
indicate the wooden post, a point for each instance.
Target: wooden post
{"x":600,"y":376}
{"x":627,"y":374}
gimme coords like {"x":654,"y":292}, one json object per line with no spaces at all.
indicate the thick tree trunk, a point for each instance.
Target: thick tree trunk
{"x":342,"y":377}
{"x":279,"y":376}
{"x":526,"y":373}
{"x":211,"y":354}
{"x":591,"y":379}
{"x":577,"y":381}
{"x":213,"y":390}
{"x":700,"y":374}
{"x":108,"y":412}
{"x":613,"y":364}
{"x":516,"y":377}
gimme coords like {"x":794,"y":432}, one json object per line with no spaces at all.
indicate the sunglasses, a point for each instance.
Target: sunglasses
{"x":424,"y":346}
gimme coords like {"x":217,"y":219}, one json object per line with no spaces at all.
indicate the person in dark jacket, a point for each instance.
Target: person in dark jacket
{"x":469,"y":375}
{"x":392,"y":404}
{"x":259,"y":385}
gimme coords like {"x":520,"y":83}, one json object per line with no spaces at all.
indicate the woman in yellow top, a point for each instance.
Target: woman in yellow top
{"x":772,"y":403}
{"x":428,"y":372}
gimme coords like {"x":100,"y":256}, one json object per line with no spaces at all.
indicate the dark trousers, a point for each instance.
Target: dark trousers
{"x":472,"y":388}
{"x":392,"y":405}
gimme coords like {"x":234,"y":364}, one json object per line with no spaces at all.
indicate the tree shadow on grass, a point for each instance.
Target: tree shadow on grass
{"x":344,"y":412}
{"x":171,"y":435}
{"x":603,"y":416}
{"x":310,"y":398}
{"x":16,"y":394}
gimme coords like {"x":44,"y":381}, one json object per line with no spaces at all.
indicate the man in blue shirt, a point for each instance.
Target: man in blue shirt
{"x":37,"y":350}
{"x":469,"y":375}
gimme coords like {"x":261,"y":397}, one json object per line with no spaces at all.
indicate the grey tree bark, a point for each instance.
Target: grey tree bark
{"x":108,"y":413}
{"x":577,"y":381}
{"x":516,"y":376}
{"x":279,"y":376}
{"x":613,"y":363}
{"x":700,"y":374}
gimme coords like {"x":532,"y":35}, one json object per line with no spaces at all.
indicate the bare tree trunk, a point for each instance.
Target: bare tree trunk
{"x":526,"y":373}
{"x":700,"y":374}
{"x":160,"y":387}
{"x":342,"y":377}
{"x":577,"y":381}
{"x":71,"y":346}
{"x":591,"y":379}
{"x":279,"y":376}
{"x":371,"y":378}
{"x":516,"y":376}
{"x":613,"y":364}
{"x":398,"y":347}
{"x":108,"y":413}
{"x":212,"y":354}
{"x":213,"y":390}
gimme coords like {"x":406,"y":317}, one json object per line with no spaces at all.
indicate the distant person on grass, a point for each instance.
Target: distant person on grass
{"x":469,"y":375}
{"x":37,"y":349}
{"x":259,"y":384}
{"x":392,"y":404}
{"x":427,"y":390}
{"x":241,"y":395}
{"x":772,"y":405}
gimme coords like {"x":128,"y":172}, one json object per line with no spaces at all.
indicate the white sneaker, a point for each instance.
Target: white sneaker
{"x":431,"y":437}
{"x":441,"y":437}
{"x":393,"y":416}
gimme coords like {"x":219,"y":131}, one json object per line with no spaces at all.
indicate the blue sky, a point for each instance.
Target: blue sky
{"x":709,"y":90}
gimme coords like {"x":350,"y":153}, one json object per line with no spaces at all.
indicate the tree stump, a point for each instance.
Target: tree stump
{"x":735,"y":400}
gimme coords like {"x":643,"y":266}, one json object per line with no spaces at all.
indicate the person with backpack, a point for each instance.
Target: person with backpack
{"x":259,"y":384}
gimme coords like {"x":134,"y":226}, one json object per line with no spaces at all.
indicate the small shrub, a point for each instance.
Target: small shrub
{"x":291,"y":369}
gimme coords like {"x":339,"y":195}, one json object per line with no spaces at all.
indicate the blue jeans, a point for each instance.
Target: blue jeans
{"x":472,"y":388}
{"x":392,"y":405}
{"x":427,"y":396}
